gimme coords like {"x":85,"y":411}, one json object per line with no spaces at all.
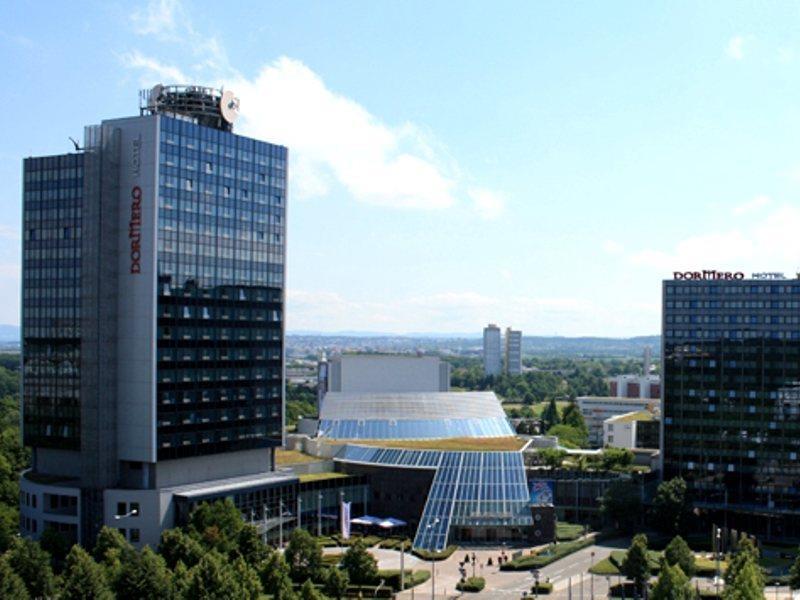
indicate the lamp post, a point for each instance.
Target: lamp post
{"x":608,"y":584}
{"x":473,"y":565}
{"x":717,"y":536}
{"x":433,"y":563}
{"x":536,"y":583}
{"x":264,"y":517}
{"x":591,"y":575}
{"x":299,"y":512}
{"x":280,"y":524}
{"x":319,"y":514}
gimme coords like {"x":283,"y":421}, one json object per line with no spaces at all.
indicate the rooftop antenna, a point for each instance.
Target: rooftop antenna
{"x":76,"y":144}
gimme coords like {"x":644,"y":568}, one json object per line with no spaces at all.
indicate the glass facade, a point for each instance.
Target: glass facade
{"x":397,"y":429}
{"x":51,"y":300}
{"x":732,"y":399}
{"x":221,"y":265}
{"x":470,"y":489}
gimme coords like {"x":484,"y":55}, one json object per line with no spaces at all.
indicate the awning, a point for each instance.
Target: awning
{"x":391,"y":522}
{"x":366,"y":520}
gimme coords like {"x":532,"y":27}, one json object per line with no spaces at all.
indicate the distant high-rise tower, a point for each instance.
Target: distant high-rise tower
{"x":152,"y":320}
{"x":647,"y":360}
{"x":492,"y":355}
{"x":513,"y":363}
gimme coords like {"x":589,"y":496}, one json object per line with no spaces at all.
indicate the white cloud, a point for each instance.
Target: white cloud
{"x":613,"y":247}
{"x":153,"y":69}
{"x":159,"y":17}
{"x":334,"y":141}
{"x":335,"y":138}
{"x":735,"y":47}
{"x":766,"y":242}
{"x":751,"y":206}
{"x":487,"y":203}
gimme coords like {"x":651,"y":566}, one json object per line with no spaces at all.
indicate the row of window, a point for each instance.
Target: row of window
{"x":731,"y":290}
{"x":732,"y":334}
{"x":754,"y":319}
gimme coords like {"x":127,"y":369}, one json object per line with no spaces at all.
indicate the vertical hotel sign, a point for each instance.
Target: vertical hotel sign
{"x":135,"y":223}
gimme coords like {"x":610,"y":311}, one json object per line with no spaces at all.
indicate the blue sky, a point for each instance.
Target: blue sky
{"x":541,"y":165}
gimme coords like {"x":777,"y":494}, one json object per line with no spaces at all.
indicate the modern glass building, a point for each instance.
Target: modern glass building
{"x":153,"y":294}
{"x":444,"y":495}
{"x":731,"y":410}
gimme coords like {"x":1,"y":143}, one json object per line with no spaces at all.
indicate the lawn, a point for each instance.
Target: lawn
{"x":566,"y":532}
{"x":494,"y":444}
{"x":306,"y":477}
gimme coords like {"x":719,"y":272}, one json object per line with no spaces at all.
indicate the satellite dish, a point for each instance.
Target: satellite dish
{"x":229,"y":106}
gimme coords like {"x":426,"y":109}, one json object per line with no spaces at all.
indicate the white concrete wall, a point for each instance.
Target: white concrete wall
{"x":136,"y":325}
{"x":374,"y":373}
{"x":213,"y":466}
{"x":29,"y":490}
{"x":619,"y":434}
{"x":155,"y":514}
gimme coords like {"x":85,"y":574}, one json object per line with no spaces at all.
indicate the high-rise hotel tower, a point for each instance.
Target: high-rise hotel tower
{"x":731,"y":397}
{"x":152,"y":312}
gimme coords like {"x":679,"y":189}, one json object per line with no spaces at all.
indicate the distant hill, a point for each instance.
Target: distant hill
{"x":9,"y":333}
{"x":304,"y":343}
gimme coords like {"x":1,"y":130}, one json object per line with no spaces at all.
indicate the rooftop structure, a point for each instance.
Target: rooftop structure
{"x":596,"y":409}
{"x":378,"y":373}
{"x":413,"y":416}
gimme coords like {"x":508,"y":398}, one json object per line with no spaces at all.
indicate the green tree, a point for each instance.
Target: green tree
{"x":11,"y":584}
{"x":248,"y":579}
{"x":635,"y":566}
{"x":54,"y":543}
{"x":250,"y":546}
{"x":143,"y":576}
{"x":569,"y":436}
{"x":550,"y":415}
{"x":303,"y":555}
{"x":9,"y":526}
{"x":217,"y":524}
{"x":110,"y":538}
{"x":274,"y":574}
{"x":360,"y":565}
{"x":678,"y":553}
{"x":336,"y":583}
{"x":747,"y":584}
{"x":794,"y":574}
{"x":672,"y":584}
{"x":32,"y":564}
{"x":310,"y":592}
{"x":552,"y":457}
{"x":176,"y":546}
{"x":572,"y":416}
{"x":621,"y":504}
{"x":614,"y":459}
{"x":746,"y":552}
{"x":213,"y":578}
{"x":671,"y":506}
{"x":83,"y":578}
{"x":181,"y":578}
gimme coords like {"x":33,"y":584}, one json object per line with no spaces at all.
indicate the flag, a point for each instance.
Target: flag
{"x":345,"y":520}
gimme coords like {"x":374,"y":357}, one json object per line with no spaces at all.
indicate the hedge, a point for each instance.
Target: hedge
{"x":391,"y":577}
{"x":369,"y":591}
{"x":395,"y":543}
{"x":428,"y":555}
{"x":542,"y":588}
{"x":472,"y":584}
{"x":544,"y":558}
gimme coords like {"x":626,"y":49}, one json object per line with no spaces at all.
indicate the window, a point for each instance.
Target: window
{"x":122,"y":508}
{"x":134,"y":537}
{"x":135,"y":511}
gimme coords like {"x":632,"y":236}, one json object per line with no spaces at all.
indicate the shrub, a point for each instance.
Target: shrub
{"x":471,"y":584}
{"x":544,"y":558}
{"x":542,"y":588}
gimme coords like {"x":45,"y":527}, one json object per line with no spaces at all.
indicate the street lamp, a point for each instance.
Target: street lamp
{"x":319,"y":514}
{"x":716,"y":548}
{"x":591,"y":575}
{"x":608,"y":584}
{"x":433,"y":563}
{"x":473,"y":565}
{"x":131,"y":513}
{"x":536,"y":583}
